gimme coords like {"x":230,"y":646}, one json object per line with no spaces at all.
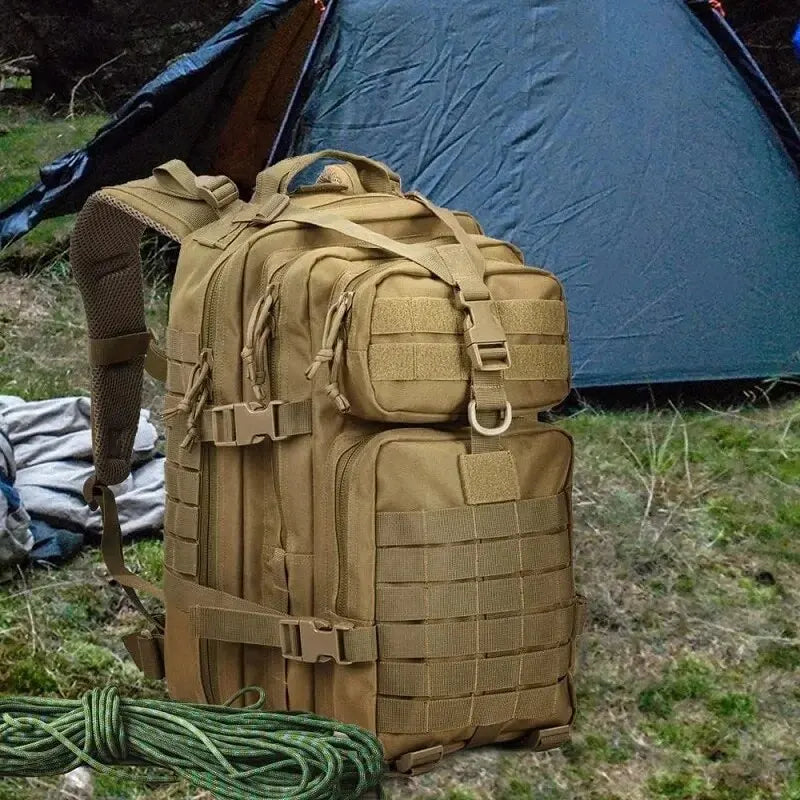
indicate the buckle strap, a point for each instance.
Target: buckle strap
{"x":484,"y":336}
{"x":242,"y":424}
{"x":302,"y":640}
{"x":223,"y":617}
{"x":299,"y":639}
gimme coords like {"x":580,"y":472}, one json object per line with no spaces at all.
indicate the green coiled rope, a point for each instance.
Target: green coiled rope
{"x":235,"y":753}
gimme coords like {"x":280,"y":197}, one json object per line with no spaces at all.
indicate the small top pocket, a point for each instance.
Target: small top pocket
{"x":405,"y":356}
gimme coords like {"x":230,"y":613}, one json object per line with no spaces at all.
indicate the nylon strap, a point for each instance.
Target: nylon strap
{"x":439,"y":315}
{"x":243,"y":627}
{"x":452,"y":678}
{"x":291,"y":419}
{"x":180,"y":555}
{"x":464,"y":523}
{"x":475,"y":560}
{"x":104,"y":252}
{"x":118,"y":349}
{"x":182,"y":484}
{"x":396,"y":715}
{"x":423,"y":256}
{"x":224,"y":617}
{"x":460,"y":639}
{"x":181,"y":519}
{"x":467,"y":272}
{"x":97,"y":495}
{"x":446,"y":361}
{"x":147,"y":652}
{"x":155,"y":361}
{"x":496,"y":596}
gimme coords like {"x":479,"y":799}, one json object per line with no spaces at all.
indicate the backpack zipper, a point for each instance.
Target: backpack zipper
{"x":344,"y":468}
{"x":208,"y":478}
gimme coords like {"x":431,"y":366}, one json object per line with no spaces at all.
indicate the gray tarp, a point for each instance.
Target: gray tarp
{"x":52,"y":447}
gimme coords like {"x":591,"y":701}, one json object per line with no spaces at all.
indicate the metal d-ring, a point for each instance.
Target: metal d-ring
{"x":505,"y":422}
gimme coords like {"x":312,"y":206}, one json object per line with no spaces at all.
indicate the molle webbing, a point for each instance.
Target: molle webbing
{"x":464,"y":523}
{"x":182,"y":484}
{"x":420,"y":601}
{"x":180,"y":555}
{"x":398,"y":715}
{"x":446,"y":361}
{"x":453,"y":639}
{"x":392,"y":315}
{"x":452,"y":678}
{"x":475,"y":560}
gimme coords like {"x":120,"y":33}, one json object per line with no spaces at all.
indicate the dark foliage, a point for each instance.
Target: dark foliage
{"x":767,"y":27}
{"x":73,"y":39}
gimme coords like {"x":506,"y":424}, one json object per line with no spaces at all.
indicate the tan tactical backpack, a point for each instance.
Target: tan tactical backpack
{"x":354,"y":522}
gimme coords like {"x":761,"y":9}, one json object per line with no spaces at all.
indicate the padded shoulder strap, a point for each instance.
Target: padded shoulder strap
{"x":105,"y":259}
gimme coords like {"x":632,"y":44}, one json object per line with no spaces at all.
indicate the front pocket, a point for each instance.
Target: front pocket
{"x":474,"y":604}
{"x":406,"y":360}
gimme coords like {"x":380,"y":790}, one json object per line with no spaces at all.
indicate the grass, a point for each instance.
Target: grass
{"x":687,"y":544}
{"x":29,"y":139}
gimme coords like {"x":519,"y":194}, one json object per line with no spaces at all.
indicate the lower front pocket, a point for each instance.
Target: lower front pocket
{"x":474,"y":604}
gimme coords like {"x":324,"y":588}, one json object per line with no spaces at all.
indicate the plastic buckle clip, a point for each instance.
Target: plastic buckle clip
{"x":302,"y":640}
{"x":487,"y":345}
{"x":242,"y":424}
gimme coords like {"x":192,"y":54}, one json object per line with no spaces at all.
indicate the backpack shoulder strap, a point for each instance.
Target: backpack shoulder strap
{"x":104,"y":253}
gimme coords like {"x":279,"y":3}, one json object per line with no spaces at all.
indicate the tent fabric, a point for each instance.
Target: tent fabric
{"x":630,"y":146}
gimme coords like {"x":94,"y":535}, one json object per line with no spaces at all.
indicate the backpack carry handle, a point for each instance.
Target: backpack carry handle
{"x":375,"y":175}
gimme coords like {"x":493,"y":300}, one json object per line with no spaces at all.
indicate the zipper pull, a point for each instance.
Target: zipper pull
{"x":259,"y":330}
{"x":332,"y":389}
{"x":197,"y":395}
{"x":333,"y":324}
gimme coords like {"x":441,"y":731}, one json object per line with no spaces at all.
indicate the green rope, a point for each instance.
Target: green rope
{"x":235,"y":753}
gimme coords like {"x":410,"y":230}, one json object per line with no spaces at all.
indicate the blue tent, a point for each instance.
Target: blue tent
{"x":633,"y":147}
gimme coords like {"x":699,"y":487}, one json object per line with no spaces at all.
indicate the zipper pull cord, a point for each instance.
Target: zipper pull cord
{"x":332,"y":389}
{"x":194,"y":400}
{"x":333,"y":324}
{"x":259,"y":330}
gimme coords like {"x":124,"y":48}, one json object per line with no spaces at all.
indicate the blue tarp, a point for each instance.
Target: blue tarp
{"x":630,"y":146}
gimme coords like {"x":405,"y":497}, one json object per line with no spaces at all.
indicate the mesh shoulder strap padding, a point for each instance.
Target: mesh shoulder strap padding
{"x":105,"y":259}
